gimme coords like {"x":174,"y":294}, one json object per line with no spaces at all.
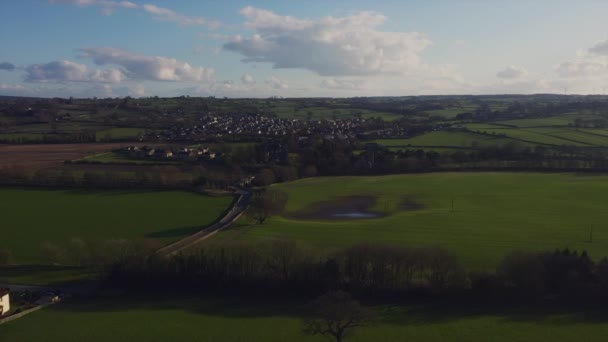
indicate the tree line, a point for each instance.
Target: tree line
{"x":282,"y":266}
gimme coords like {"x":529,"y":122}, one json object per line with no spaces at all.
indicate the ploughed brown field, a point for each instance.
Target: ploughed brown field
{"x":44,"y":155}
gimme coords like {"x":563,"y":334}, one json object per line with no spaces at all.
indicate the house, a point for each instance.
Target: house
{"x":5,"y":304}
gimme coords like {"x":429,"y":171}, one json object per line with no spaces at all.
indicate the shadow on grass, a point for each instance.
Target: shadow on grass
{"x":412,"y":314}
{"x":44,"y":275}
{"x":541,"y":313}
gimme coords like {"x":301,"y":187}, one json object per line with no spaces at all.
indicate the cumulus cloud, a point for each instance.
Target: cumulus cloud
{"x":7,"y":66}
{"x":582,"y":67}
{"x":165,"y":14}
{"x":143,"y":67}
{"x":331,"y":46}
{"x":247,"y":79}
{"x":68,"y":71}
{"x":11,"y":87}
{"x":56,"y":71}
{"x":512,"y":72}
{"x":589,"y":63}
{"x":600,"y":48}
{"x":107,"y":6}
{"x":341,"y":84}
{"x":276,"y":83}
{"x":158,"y":13}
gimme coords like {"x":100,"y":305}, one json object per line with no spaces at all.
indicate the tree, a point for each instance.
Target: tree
{"x":269,"y":202}
{"x":336,"y":314}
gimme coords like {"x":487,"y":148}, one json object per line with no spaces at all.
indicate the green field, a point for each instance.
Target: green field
{"x":552,"y":136}
{"x":32,"y":217}
{"x":119,"y":133}
{"x":445,"y":139}
{"x":494,"y":213}
{"x":235,"y":319}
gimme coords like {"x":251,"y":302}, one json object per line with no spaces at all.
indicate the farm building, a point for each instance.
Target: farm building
{"x":5,"y":304}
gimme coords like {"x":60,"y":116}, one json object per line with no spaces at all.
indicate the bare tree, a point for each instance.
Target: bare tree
{"x":336,"y":314}
{"x":268,"y":203}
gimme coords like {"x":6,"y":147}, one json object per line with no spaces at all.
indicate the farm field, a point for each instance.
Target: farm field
{"x":38,"y":156}
{"x":494,"y":213}
{"x":38,"y":216}
{"x":456,"y":139}
{"x":552,"y":136}
{"x":119,"y":133}
{"x":204,"y":319}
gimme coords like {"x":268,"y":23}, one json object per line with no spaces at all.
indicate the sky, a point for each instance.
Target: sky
{"x":309,"y":48}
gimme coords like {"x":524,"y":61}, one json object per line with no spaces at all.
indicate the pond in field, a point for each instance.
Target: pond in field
{"x":341,"y":208}
{"x":356,"y":215}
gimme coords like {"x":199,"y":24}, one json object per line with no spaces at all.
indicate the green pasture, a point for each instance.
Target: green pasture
{"x":446,"y":139}
{"x":493,"y":214}
{"x":32,"y":217}
{"x":236,"y":319}
{"x":450,"y":113}
{"x":550,"y":136}
{"x":119,"y":133}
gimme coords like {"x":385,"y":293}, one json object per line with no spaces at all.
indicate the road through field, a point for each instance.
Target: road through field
{"x":235,"y":212}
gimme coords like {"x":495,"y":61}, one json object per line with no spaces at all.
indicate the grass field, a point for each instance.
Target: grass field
{"x":235,"y":319}
{"x":119,"y":133}
{"x":494,"y":213}
{"x":445,"y":139}
{"x":552,"y":136}
{"x":32,"y":217}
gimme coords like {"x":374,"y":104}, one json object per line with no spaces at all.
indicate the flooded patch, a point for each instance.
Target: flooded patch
{"x":355,"y":215}
{"x":341,"y":208}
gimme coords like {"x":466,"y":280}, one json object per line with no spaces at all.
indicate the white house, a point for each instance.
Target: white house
{"x":5,"y":304}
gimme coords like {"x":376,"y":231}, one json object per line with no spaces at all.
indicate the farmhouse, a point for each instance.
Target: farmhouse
{"x":5,"y":304}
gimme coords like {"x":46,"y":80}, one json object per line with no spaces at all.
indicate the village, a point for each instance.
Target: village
{"x":255,"y":126}
{"x":170,"y":153}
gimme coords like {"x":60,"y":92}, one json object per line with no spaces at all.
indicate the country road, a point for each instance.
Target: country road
{"x":235,"y":212}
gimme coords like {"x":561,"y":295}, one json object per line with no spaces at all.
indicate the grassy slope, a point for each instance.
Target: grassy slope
{"x":495,"y":213}
{"x":238,"y":320}
{"x":30,"y":217}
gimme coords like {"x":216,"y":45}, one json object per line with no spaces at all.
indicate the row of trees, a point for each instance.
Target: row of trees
{"x":283,"y":267}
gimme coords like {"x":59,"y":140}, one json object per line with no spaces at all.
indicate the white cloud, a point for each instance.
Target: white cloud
{"x":247,"y":79}
{"x":108,"y":75}
{"x":68,"y":71}
{"x":512,"y":72}
{"x":341,"y":84}
{"x":589,"y":64}
{"x":582,"y":67}
{"x":329,"y":46}
{"x":600,"y":48}
{"x":56,"y":71}
{"x":276,"y":83}
{"x":11,"y":87}
{"x":159,"y":13}
{"x":165,"y":14}
{"x":107,"y":6}
{"x":142,"y":67}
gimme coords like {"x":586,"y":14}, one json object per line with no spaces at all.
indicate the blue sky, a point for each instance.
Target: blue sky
{"x":102,"y":48}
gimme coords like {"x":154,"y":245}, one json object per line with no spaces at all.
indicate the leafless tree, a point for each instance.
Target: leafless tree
{"x":336,"y":314}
